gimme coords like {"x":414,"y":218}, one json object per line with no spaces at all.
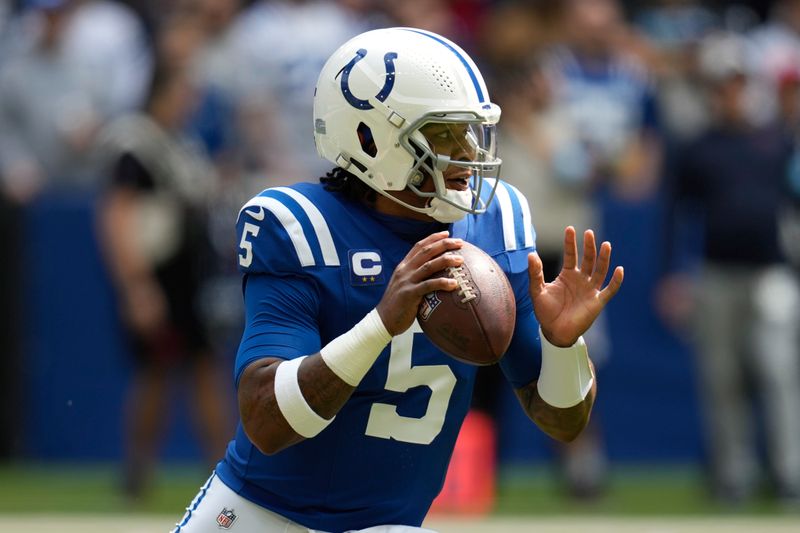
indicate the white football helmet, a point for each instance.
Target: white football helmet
{"x":376,"y":93}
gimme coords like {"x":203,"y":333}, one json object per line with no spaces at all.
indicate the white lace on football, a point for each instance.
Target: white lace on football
{"x":465,"y":289}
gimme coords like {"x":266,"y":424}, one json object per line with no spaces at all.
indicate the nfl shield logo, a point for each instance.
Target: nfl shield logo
{"x":429,"y":304}
{"x":226,"y":518}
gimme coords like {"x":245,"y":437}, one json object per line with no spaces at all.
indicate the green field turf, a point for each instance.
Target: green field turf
{"x":139,"y":523}
{"x":27,"y":488}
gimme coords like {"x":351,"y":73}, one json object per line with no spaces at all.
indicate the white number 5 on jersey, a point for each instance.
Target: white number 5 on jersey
{"x":384,"y":422}
{"x":246,"y":258}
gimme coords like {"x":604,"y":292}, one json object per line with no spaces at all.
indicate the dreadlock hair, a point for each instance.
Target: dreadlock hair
{"x":339,"y":180}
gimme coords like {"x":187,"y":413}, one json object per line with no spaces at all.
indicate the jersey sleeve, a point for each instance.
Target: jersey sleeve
{"x":283,"y":238}
{"x":522,"y":360}
{"x":280,"y":319}
{"x":513,"y":238}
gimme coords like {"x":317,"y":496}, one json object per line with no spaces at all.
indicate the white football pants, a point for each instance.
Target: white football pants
{"x":217,"y":506}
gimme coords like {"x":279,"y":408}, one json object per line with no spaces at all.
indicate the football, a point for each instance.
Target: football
{"x":473,"y":323}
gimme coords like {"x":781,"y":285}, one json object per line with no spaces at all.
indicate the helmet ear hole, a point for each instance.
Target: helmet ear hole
{"x":366,"y":140}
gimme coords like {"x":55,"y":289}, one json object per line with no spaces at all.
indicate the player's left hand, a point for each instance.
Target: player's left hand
{"x":566,"y":307}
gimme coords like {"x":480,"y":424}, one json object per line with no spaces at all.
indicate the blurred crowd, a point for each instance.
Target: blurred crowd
{"x":173,"y":113}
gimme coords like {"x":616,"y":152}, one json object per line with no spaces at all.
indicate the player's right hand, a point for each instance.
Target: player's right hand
{"x":411,"y":280}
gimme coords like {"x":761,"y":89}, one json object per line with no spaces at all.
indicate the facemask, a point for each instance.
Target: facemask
{"x":448,"y":213}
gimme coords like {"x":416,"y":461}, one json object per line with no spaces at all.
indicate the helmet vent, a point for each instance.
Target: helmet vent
{"x":366,"y":140}
{"x":441,"y":77}
{"x":434,"y":71}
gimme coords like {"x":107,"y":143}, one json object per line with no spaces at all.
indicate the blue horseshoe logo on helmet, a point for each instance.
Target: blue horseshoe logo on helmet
{"x":388,"y":85}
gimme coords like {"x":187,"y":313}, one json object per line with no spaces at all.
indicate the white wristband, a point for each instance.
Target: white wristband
{"x":566,"y":376}
{"x":293,"y":405}
{"x":352,"y":354}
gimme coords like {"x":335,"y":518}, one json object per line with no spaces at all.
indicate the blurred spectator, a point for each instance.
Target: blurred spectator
{"x":20,"y":27}
{"x":69,"y":66}
{"x":153,"y":227}
{"x":106,"y":45}
{"x":214,"y":69}
{"x":746,"y":316}
{"x":6,"y":13}
{"x":774,"y":57}
{"x":438,"y":16}
{"x":672,"y":24}
{"x":47,"y":118}
{"x":608,"y":95}
{"x":279,"y":49}
{"x":513,"y":31}
{"x":675,"y":27}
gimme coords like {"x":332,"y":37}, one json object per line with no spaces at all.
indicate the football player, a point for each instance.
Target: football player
{"x":348,"y":413}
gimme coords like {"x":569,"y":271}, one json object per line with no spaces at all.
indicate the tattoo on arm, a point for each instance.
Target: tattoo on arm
{"x":561,"y":424}
{"x":324,"y":391}
{"x":261,"y":417}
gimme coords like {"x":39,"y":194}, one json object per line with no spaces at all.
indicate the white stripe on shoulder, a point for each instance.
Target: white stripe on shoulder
{"x":527,"y":223}
{"x":507,"y":214}
{"x":329,"y":255}
{"x":289,"y":223}
{"x":248,"y":204}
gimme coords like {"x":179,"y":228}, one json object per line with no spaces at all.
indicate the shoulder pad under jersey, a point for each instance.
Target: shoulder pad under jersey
{"x":281,"y":230}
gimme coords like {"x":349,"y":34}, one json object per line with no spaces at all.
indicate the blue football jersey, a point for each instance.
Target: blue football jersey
{"x":314,"y":263}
